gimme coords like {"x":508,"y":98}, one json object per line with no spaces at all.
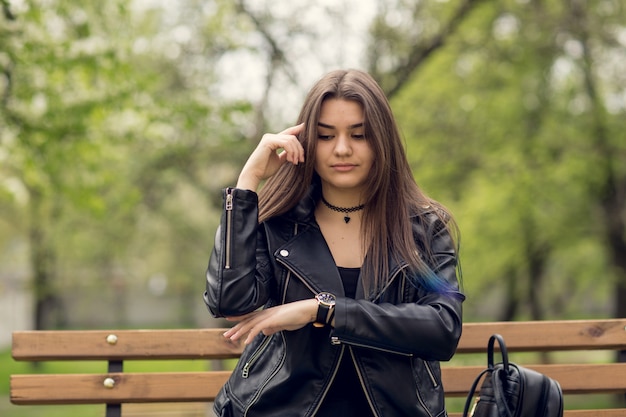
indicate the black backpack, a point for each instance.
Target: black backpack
{"x":510,"y":390}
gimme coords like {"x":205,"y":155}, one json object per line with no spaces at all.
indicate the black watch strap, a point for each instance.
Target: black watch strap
{"x":325,"y":309}
{"x":331,"y":315}
{"x":322,"y":314}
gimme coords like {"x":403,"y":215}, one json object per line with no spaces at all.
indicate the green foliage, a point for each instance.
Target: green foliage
{"x":115,"y":141}
{"x":116,"y":138}
{"x":493,"y":130}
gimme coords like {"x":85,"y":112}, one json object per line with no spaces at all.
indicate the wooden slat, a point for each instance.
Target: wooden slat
{"x":131,"y":344}
{"x":199,"y":409}
{"x":203,"y":386}
{"x":210,"y":344}
{"x":128,"y":388}
{"x":595,"y":413}
{"x":580,"y":413}
{"x":574,"y":379}
{"x":539,"y":336}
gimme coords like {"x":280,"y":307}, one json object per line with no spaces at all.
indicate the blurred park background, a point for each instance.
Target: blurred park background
{"x":121,"y":120}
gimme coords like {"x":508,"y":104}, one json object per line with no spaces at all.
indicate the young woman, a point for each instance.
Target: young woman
{"x":354,"y":266}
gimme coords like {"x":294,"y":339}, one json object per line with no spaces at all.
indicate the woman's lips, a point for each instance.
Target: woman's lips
{"x":344,"y":167}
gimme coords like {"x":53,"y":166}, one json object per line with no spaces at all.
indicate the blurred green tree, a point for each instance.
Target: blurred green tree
{"x":518,"y":123}
{"x":113,"y":135}
{"x":117,"y":133}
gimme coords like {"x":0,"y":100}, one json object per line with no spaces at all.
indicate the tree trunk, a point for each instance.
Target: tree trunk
{"x":48,"y":306}
{"x":612,"y":192}
{"x":512,"y":296}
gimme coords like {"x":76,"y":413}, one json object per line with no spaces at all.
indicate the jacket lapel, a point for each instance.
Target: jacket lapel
{"x":307,"y":255}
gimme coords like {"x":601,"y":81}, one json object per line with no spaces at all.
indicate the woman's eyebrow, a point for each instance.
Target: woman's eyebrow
{"x":354,"y":126}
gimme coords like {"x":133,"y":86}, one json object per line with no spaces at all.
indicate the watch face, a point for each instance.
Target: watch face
{"x":326,"y":298}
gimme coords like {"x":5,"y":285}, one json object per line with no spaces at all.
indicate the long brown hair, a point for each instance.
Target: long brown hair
{"x":394,"y":195}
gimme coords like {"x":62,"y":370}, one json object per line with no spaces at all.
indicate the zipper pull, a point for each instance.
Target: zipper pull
{"x":229,"y":199}
{"x":245,"y":372}
{"x":228,"y":205}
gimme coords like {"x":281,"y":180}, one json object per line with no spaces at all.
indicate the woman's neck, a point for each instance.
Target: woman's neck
{"x":342,"y":197}
{"x":342,"y":237}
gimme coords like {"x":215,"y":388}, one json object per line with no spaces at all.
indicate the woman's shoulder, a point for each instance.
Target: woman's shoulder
{"x":430,"y":213}
{"x":431,"y":221}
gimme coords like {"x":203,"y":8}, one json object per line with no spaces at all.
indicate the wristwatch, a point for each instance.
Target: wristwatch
{"x":325,"y":309}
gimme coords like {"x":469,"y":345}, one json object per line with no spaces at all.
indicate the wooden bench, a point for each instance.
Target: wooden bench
{"x":587,"y":371}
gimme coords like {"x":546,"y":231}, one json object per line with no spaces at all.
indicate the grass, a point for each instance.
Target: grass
{"x":9,"y":410}
{"x":10,"y":367}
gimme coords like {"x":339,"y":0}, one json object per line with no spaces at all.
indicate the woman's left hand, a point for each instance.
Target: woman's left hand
{"x":290,"y":316}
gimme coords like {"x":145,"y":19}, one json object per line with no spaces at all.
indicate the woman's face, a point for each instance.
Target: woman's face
{"x":343,"y":157}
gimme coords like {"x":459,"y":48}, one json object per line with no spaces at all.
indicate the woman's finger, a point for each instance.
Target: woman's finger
{"x":293,"y":130}
{"x":292,"y":145}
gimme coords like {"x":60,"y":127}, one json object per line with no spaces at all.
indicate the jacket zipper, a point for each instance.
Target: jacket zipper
{"x":229,"y":215}
{"x":262,"y":387}
{"x":288,"y":277}
{"x":358,"y":372}
{"x":419,"y":397}
{"x":393,"y":277}
{"x":296,"y":274}
{"x":245,"y":372}
{"x":336,"y":341}
{"x":431,"y":374}
{"x":332,"y":378}
{"x":306,"y":284}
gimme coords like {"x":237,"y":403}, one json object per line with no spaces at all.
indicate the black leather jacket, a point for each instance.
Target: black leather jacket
{"x":395,"y":339}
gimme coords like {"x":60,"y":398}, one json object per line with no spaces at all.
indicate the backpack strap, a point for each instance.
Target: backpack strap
{"x":500,"y":376}
{"x":490,"y":369}
{"x":503,"y":350}
{"x":472,"y":390}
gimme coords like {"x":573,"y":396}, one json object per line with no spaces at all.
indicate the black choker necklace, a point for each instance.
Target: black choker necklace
{"x":345,"y":210}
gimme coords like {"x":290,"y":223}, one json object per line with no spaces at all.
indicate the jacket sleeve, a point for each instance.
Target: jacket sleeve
{"x":237,"y":277}
{"x":429,"y":327}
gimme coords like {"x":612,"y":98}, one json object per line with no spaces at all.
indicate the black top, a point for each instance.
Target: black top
{"x":345,"y":397}
{"x":349,"y":277}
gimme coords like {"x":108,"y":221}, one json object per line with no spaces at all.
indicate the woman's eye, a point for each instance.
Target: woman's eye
{"x":358,"y":136}
{"x":324,"y":137}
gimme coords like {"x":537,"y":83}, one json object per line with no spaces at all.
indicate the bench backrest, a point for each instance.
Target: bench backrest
{"x":116,"y":387}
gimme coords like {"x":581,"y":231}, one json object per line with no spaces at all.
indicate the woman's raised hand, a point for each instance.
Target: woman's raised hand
{"x":290,"y":316}
{"x":266,"y":158}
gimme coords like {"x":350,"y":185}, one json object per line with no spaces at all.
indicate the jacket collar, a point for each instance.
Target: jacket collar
{"x":304,"y":210}
{"x":307,"y":255}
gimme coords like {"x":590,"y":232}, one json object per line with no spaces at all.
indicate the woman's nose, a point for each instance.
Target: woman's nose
{"x":342,"y":146}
